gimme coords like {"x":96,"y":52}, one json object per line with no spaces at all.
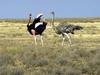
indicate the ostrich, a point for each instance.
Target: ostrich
{"x":37,"y":27}
{"x":64,"y":30}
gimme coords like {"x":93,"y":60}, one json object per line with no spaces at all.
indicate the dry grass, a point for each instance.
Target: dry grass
{"x":19,"y":55}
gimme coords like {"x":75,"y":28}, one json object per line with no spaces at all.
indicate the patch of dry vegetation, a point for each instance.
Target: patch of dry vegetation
{"x":19,"y":55}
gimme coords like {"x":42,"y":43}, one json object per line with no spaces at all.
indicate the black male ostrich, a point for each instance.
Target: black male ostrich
{"x":37,"y":27}
{"x":64,"y":30}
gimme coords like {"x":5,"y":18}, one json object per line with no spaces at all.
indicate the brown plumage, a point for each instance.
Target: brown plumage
{"x":64,"y":30}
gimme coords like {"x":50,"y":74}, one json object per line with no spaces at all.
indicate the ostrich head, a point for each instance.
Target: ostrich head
{"x":53,"y":13}
{"x":30,"y":15}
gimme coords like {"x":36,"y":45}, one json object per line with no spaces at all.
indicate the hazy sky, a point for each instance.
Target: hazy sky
{"x":62,"y":8}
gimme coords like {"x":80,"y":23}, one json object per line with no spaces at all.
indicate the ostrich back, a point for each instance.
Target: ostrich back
{"x":68,"y":28}
{"x":41,"y":28}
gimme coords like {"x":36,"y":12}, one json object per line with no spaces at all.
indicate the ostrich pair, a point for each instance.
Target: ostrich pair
{"x":37,"y":28}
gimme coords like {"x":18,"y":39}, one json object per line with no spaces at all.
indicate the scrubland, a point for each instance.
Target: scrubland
{"x":19,"y":55}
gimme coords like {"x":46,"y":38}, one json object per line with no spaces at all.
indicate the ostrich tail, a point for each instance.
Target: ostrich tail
{"x":45,"y":23}
{"x":78,"y":27}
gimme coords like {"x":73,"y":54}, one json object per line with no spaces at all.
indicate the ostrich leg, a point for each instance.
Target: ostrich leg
{"x":68,"y":38}
{"x":63,"y":39}
{"x":41,"y":40}
{"x":34,"y":36}
{"x":35,"y":39}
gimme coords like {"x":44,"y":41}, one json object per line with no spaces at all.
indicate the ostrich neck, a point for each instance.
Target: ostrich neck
{"x":53,"y":26}
{"x":29,"y":20}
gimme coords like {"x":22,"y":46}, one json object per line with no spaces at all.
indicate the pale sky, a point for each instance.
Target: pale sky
{"x":62,"y":8}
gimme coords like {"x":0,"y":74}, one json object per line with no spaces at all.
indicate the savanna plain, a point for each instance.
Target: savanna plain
{"x":20,"y":56}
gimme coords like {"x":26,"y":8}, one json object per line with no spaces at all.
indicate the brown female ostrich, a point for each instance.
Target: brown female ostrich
{"x":64,"y":30}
